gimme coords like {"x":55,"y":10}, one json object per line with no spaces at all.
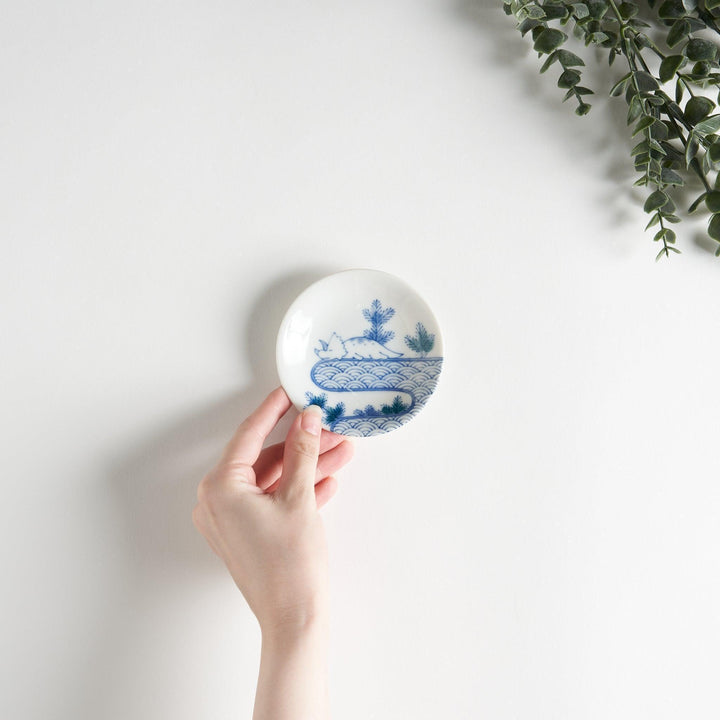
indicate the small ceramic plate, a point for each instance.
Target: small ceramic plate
{"x":365,"y":347}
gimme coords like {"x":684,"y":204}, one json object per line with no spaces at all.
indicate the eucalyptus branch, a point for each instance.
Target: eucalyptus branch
{"x":679,"y":139}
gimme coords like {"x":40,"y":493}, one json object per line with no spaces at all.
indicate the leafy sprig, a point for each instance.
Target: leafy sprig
{"x":677,"y":135}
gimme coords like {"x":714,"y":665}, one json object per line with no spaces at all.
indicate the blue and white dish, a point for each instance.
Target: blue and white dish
{"x":365,"y":347}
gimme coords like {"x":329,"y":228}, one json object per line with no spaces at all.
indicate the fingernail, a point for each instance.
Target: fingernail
{"x":312,"y":420}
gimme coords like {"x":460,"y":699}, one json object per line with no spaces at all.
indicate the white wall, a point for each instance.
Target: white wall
{"x":542,"y":542}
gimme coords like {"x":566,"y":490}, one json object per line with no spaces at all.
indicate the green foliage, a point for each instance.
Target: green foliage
{"x":422,"y":342}
{"x":668,"y":94}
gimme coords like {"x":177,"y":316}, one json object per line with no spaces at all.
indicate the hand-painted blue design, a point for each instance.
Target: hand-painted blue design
{"x":319,"y":400}
{"x":358,"y":348}
{"x":334,"y":413}
{"x":378,"y":316}
{"x":422,"y":342}
{"x":415,"y":377}
{"x":364,"y":363}
{"x":397,"y":407}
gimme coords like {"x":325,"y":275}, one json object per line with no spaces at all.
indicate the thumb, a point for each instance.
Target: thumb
{"x":300,"y":456}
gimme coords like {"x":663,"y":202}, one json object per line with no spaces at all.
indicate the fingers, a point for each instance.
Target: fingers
{"x":329,"y":463}
{"x":300,"y":457}
{"x":325,"y":490}
{"x":246,"y":444}
{"x":269,"y":465}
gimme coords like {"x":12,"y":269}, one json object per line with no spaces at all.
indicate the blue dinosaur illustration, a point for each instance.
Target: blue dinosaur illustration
{"x":354,"y":348}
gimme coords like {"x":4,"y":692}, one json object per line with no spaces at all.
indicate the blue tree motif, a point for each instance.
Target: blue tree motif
{"x":378,"y":316}
{"x":334,"y":413}
{"x":423,"y":342}
{"x":396,"y":408}
{"x":369,"y":411}
{"x":319,"y":400}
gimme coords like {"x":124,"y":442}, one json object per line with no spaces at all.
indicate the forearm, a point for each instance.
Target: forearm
{"x":292,"y":684}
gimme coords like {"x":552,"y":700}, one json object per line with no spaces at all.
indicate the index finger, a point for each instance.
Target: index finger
{"x":248,"y":440}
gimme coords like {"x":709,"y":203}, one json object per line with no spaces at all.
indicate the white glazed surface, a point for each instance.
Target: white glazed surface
{"x":333,"y":311}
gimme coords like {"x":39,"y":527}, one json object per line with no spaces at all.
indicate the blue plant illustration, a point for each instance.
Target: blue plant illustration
{"x":319,"y":400}
{"x":396,"y":408}
{"x":334,"y":413}
{"x":423,"y":341}
{"x":368,"y":412}
{"x":378,"y":316}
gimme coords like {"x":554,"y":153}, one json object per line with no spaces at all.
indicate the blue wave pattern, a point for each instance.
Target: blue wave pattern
{"x":417,"y":377}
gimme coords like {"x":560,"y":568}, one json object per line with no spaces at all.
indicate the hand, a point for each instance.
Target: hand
{"x":258,"y":510}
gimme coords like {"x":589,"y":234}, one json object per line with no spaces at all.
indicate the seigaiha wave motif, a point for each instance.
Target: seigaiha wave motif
{"x":414,"y":378}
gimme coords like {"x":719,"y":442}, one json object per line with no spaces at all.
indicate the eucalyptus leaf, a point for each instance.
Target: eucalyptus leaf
{"x":644,"y":123}
{"x":554,"y":12}
{"x":620,"y":86}
{"x":671,"y":9}
{"x":628,"y":10}
{"x":670,"y":177}
{"x":569,"y":59}
{"x":696,"y":203}
{"x":669,"y":66}
{"x":654,"y":220}
{"x":714,"y":152}
{"x":709,"y":125}
{"x":634,"y":110}
{"x":659,"y":130}
{"x":645,"y":81}
{"x":691,"y":149}
{"x":527,"y":25}
{"x":597,"y":8}
{"x":655,"y":201}
{"x":698,"y":108}
{"x":552,"y":57}
{"x":568,"y":79}
{"x":714,"y":227}
{"x":535,"y":12}
{"x":698,"y":49}
{"x":549,"y":39}
{"x":641,"y":147}
{"x":712,"y":201}
{"x":679,"y":31}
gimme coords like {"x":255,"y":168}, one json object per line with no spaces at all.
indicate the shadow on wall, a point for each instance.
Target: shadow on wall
{"x":160,"y":550}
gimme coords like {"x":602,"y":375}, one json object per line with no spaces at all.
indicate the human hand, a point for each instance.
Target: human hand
{"x":258,"y":510}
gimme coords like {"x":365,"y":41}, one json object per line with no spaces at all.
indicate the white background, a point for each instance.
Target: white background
{"x":541,"y":542}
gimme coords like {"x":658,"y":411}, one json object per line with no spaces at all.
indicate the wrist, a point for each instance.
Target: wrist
{"x":296,"y":625}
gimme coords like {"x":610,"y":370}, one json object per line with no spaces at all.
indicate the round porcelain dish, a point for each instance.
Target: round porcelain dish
{"x":365,"y":347}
